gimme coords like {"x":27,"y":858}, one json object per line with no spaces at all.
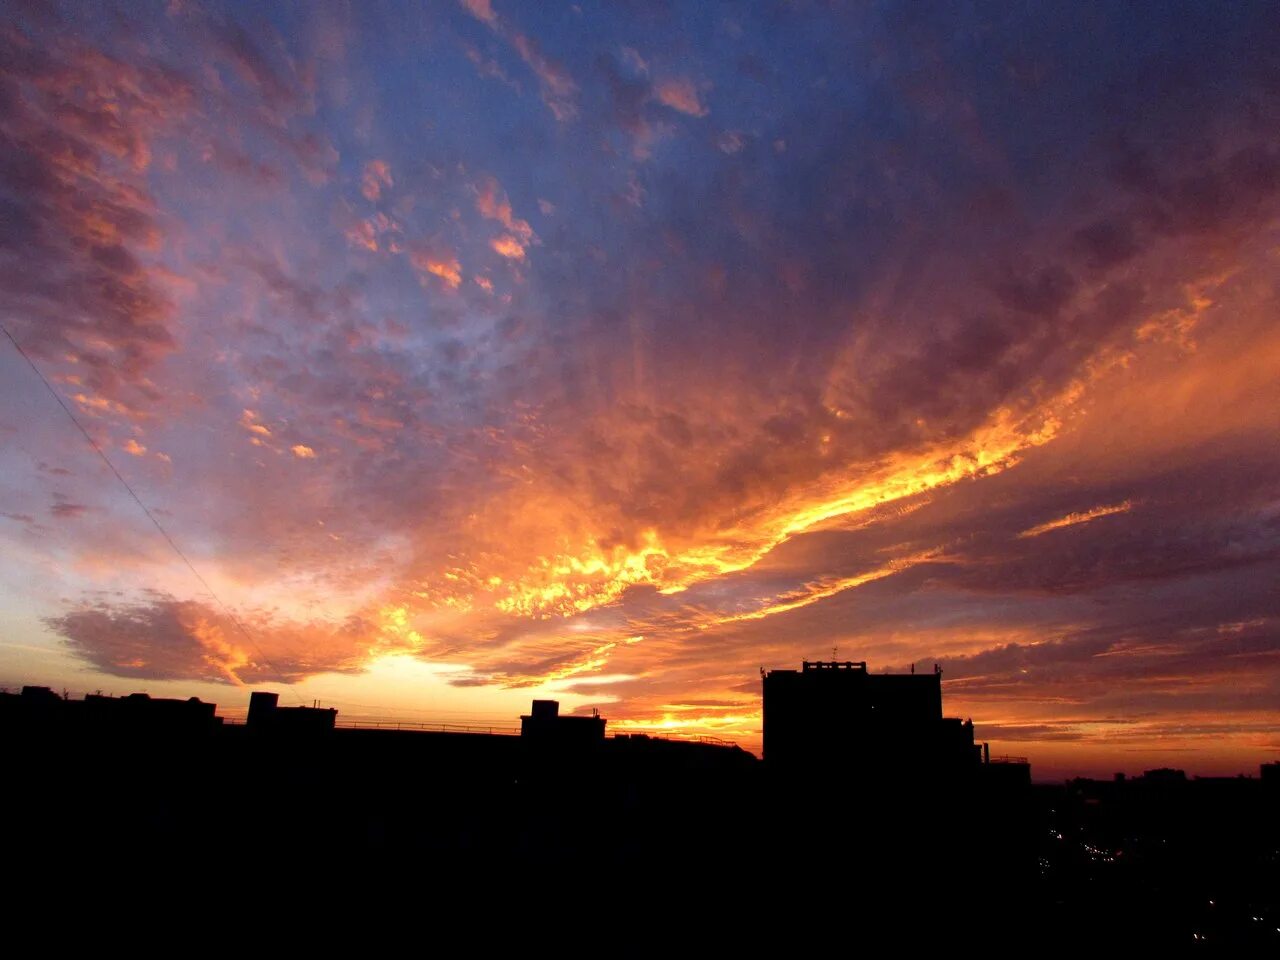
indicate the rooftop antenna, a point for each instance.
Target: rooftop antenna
{"x":833,"y":654}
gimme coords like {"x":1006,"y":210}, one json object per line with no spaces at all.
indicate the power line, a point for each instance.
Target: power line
{"x":150,"y":516}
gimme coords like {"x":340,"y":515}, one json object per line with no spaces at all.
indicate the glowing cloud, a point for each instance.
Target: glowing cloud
{"x":446,"y":268}
{"x":507,"y":246}
{"x":248,"y":420}
{"x":812,"y":593}
{"x":1071,"y":519}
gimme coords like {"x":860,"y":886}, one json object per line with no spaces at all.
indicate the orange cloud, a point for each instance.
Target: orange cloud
{"x":377,"y":174}
{"x":508,"y":246}
{"x":446,"y":268}
{"x":134,"y":447}
{"x":303,"y":452}
{"x":362,"y":234}
{"x":680,"y":93}
{"x":813,"y":592}
{"x":492,"y":203}
{"x":248,"y":420}
{"x":1071,"y":519}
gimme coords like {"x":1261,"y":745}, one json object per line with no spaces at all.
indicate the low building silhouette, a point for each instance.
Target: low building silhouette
{"x":44,"y":712}
{"x":544,"y":724}
{"x":267,"y":716}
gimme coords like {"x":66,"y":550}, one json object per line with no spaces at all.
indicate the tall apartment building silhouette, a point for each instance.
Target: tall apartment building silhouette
{"x":836,"y":717}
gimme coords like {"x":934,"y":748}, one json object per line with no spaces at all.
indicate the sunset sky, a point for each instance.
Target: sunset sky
{"x":481,"y":351}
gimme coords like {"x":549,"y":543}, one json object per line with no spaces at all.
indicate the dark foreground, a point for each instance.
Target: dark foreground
{"x":629,"y":845}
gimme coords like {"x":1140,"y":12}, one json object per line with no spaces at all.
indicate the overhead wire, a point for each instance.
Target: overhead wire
{"x":150,"y":516}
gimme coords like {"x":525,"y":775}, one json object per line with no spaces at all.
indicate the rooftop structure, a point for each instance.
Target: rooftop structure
{"x":544,"y":724}
{"x":266,"y":714}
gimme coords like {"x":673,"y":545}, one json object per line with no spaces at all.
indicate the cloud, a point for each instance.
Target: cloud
{"x":76,"y":129}
{"x":376,"y":176}
{"x":482,"y":10}
{"x":507,"y":246}
{"x":443,"y":266}
{"x":492,"y":203}
{"x":558,"y":89}
{"x":248,"y":420}
{"x":168,"y":639}
{"x":1072,"y":519}
{"x":64,"y":509}
{"x":302,"y":451}
{"x":680,"y":94}
{"x":633,"y":61}
{"x":272,"y":80}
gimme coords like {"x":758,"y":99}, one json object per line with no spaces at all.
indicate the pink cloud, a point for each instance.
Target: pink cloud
{"x":482,"y":10}
{"x":377,"y":174}
{"x":558,"y":89}
{"x":680,"y":93}
{"x":492,"y":203}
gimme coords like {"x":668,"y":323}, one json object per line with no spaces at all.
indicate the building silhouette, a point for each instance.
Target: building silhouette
{"x":544,"y":724}
{"x":837,"y":718}
{"x":41,"y":712}
{"x":868,"y":796}
{"x":267,"y":716}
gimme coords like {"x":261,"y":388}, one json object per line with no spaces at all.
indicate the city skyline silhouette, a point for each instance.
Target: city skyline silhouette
{"x":917,"y":816}
{"x":428,"y":360}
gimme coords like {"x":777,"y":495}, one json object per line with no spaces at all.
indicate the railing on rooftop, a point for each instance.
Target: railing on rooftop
{"x":810,"y":665}
{"x":676,"y":738}
{"x":386,"y":724}
{"x":1008,"y":760}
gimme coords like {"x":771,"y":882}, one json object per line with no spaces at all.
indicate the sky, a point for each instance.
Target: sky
{"x":470,"y":352}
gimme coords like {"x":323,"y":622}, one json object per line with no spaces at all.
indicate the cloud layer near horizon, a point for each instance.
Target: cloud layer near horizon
{"x":631,"y":350}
